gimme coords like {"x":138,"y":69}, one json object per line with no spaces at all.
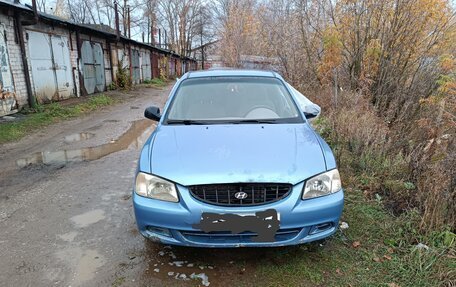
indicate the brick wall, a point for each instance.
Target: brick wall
{"x":15,"y":60}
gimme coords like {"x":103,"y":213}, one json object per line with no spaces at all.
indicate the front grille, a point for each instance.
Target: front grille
{"x":228,"y":237}
{"x":225,"y":194}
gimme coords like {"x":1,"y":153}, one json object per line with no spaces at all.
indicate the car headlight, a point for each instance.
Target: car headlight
{"x":155,"y":187}
{"x":322,"y":184}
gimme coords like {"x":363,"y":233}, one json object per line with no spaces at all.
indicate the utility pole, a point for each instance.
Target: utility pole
{"x":129,"y":24}
{"x":148,"y":30}
{"x":116,"y":12}
{"x":35,"y":10}
{"x":125,"y":19}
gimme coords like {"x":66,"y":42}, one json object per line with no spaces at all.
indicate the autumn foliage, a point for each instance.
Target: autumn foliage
{"x":385,"y":74}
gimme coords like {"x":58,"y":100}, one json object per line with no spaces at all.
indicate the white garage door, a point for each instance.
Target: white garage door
{"x":51,"y":66}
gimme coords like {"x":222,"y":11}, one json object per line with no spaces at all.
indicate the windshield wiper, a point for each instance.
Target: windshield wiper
{"x":253,"y":122}
{"x":185,"y":122}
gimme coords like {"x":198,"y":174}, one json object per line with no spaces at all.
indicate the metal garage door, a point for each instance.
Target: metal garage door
{"x":172,"y":67}
{"x":6,"y":81}
{"x":155,"y":68}
{"x":136,"y":66}
{"x":146,"y":72}
{"x":93,"y":67}
{"x":51,"y":66}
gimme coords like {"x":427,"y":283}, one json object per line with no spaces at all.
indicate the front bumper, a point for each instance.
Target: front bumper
{"x":301,"y":221}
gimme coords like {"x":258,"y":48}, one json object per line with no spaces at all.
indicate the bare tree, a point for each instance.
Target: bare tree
{"x":41,"y":5}
{"x":237,"y":28}
{"x":182,"y":20}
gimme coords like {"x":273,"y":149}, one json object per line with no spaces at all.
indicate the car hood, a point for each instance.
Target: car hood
{"x":197,"y":154}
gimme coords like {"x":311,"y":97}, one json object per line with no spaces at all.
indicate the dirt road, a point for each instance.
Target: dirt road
{"x":66,"y":216}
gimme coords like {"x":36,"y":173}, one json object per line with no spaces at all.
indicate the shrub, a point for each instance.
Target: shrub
{"x":410,"y":163}
{"x":123,"y":78}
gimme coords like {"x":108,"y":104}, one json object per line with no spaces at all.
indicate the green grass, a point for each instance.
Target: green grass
{"x":45,"y":115}
{"x":156,"y":83}
{"x":387,"y":253}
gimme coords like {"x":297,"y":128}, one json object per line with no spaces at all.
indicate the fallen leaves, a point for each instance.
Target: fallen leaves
{"x":387,"y":257}
{"x":356,"y":244}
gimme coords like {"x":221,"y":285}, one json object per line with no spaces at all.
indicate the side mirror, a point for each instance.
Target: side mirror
{"x":310,"y":115}
{"x":153,"y":113}
{"x":311,"y":111}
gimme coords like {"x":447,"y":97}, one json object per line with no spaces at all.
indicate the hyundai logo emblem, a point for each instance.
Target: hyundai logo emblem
{"x":240,"y":195}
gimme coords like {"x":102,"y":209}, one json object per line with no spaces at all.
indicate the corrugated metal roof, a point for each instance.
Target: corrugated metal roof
{"x":84,"y":27}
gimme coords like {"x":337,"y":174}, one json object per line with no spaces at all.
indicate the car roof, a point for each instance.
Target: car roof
{"x":232,"y":73}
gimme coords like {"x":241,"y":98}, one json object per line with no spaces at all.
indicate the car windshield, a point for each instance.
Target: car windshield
{"x":232,"y":100}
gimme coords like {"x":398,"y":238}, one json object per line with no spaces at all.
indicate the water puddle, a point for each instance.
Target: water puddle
{"x":135,"y":135}
{"x":83,"y":263}
{"x":69,"y":237}
{"x":88,"y":218}
{"x":78,"y":137}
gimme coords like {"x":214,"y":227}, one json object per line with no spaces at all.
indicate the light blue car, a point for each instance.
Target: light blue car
{"x":234,"y":162}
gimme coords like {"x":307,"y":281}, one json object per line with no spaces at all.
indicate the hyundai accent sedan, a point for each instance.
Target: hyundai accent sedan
{"x":234,"y":162}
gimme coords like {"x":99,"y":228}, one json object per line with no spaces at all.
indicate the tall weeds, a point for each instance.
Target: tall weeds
{"x":408,"y":165}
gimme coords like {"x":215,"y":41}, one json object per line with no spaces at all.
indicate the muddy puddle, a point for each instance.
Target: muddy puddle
{"x":78,"y":137}
{"x":186,"y":266}
{"x":135,"y":135}
{"x":167,"y":266}
{"x":88,"y":218}
{"x":84,"y":263}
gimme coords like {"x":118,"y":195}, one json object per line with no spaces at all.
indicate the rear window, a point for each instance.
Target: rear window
{"x":233,"y":99}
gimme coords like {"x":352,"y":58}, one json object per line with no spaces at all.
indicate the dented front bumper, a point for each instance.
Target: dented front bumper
{"x":298,"y":221}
